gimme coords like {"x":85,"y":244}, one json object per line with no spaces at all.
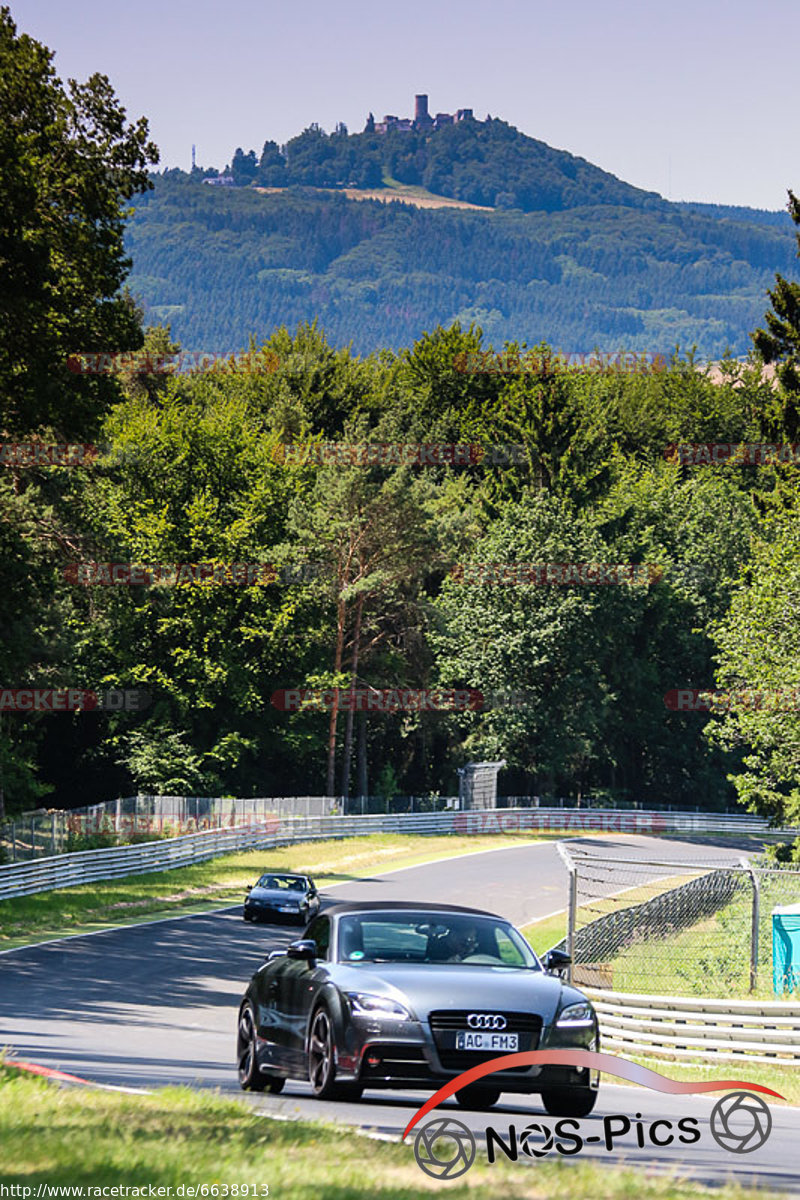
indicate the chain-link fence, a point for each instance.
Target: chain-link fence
{"x":46,"y":832}
{"x":673,"y":926}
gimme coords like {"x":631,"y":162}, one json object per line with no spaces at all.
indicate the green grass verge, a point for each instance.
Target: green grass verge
{"x":544,"y":934}
{"x":710,"y":958}
{"x":59,"y":1136}
{"x":781,"y":1078}
{"x":222,"y":881}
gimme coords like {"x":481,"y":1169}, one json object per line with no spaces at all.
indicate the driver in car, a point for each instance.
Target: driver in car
{"x":459,"y":943}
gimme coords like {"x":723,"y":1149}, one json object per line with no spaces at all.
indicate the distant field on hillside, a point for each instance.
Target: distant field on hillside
{"x":418,"y":197}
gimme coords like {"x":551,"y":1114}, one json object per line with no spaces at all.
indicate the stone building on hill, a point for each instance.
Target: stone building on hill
{"x":422,"y":120}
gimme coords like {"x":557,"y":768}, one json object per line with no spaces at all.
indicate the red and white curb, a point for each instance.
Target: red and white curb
{"x":63,"y":1077}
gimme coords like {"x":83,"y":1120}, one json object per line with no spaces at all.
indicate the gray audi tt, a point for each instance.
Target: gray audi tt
{"x":391,"y":995}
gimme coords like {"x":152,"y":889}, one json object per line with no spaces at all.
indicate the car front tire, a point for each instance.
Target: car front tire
{"x":251,"y":1077}
{"x":569,"y":1101}
{"x":322,"y":1062}
{"x":476,"y":1097}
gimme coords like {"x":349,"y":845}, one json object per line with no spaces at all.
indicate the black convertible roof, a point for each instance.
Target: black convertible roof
{"x":403,"y":906}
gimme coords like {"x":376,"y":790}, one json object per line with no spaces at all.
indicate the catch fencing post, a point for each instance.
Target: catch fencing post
{"x":53,"y":832}
{"x":754,"y":922}
{"x":572,"y":903}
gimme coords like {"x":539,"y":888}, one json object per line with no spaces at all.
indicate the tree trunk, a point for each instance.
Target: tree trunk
{"x":348,"y":732}
{"x":341,"y":617}
{"x":363,"y":784}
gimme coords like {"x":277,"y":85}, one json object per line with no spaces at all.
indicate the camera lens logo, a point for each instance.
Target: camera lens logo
{"x":444,"y":1148}
{"x":741,"y":1122}
{"x":528,"y":1140}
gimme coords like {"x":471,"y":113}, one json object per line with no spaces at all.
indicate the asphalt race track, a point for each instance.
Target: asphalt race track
{"x":155,"y":1004}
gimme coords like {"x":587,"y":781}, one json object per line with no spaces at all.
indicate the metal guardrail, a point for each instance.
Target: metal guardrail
{"x":694,"y":1028}
{"x":45,"y":832}
{"x":88,"y":866}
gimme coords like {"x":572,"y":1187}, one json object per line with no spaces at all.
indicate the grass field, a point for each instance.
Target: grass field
{"x":409,"y":193}
{"x":709,"y":958}
{"x":222,"y":881}
{"x":546,"y":933}
{"x":781,"y":1078}
{"x":59,"y":1136}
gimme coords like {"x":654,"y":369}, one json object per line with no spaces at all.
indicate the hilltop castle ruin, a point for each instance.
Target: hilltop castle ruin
{"x":422,"y":119}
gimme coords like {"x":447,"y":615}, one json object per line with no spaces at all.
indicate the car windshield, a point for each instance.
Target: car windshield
{"x":289,"y":883}
{"x":420,"y":937}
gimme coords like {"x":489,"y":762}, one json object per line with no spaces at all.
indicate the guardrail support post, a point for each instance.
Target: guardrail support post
{"x":572,"y":904}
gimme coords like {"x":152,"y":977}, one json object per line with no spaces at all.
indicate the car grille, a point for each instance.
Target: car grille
{"x":446,"y":1023}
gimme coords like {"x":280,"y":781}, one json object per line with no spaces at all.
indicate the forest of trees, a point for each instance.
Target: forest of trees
{"x":382,"y":568}
{"x":221,"y":263}
{"x":483,"y":162}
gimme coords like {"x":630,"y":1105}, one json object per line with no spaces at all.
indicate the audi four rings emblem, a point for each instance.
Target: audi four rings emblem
{"x":486,"y":1021}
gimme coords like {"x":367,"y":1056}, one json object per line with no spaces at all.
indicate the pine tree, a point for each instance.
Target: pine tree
{"x":779,"y":343}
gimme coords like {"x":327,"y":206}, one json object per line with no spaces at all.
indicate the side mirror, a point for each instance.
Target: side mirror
{"x":249,"y":888}
{"x":305,"y":948}
{"x":273,"y":954}
{"x":555,"y":961}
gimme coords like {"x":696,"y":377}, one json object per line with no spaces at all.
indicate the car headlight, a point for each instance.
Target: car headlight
{"x":576,"y":1014}
{"x":377,"y":1006}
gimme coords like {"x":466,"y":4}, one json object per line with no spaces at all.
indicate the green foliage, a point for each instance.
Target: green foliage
{"x":387,"y":785}
{"x":759,"y":673}
{"x":482,"y":162}
{"x":779,"y":343}
{"x":69,"y":163}
{"x":223,"y":263}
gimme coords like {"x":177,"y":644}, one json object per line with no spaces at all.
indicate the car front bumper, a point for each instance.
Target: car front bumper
{"x":405,"y":1054}
{"x":261,"y":911}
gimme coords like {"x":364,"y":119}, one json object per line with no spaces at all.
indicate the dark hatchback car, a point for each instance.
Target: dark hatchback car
{"x":389,"y":995}
{"x":278,"y":894}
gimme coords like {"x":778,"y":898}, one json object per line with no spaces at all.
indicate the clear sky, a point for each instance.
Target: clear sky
{"x":694,"y":99}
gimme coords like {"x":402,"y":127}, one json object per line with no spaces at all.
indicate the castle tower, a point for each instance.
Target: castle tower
{"x":421,"y":114}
